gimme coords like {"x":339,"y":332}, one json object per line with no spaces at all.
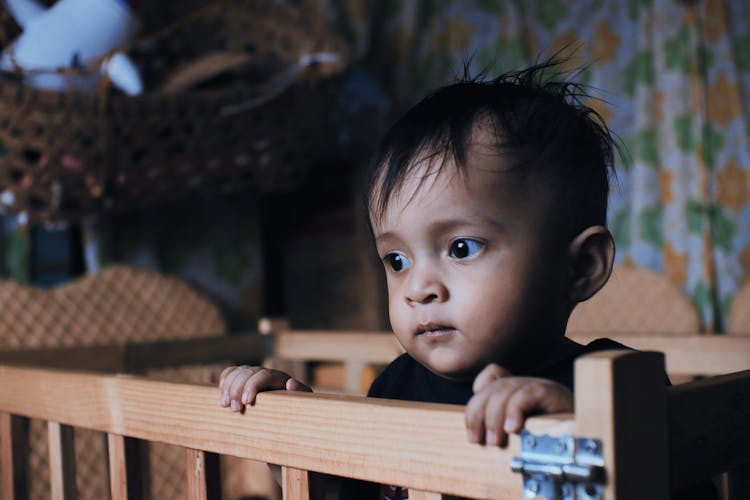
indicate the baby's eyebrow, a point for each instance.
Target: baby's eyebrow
{"x":383,"y":236}
{"x":477,"y":220}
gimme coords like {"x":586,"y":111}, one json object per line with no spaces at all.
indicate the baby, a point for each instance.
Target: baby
{"x":488,"y":203}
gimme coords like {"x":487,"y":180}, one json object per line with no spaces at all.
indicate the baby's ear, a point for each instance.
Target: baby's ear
{"x":591,"y":255}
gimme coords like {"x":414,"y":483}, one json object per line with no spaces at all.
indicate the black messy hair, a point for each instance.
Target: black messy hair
{"x":540,"y":123}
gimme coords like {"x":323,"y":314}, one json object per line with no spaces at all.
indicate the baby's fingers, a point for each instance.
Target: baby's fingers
{"x":295,"y":385}
{"x":489,"y":374}
{"x":474,"y":418}
{"x":226,"y":372}
{"x":263,"y":380}
{"x":538,"y":397}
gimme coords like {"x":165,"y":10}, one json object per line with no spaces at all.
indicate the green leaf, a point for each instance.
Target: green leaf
{"x":551,"y":12}
{"x":705,"y":59}
{"x":722,"y":228}
{"x":501,"y":57}
{"x":640,"y":69}
{"x":677,"y":53}
{"x":650,"y":223}
{"x":695,"y":213}
{"x":492,"y":6}
{"x":645,"y":146}
{"x":712,"y":144}
{"x":683,"y":129}
{"x":742,"y":53}
{"x":3,"y":148}
{"x":701,"y":296}
{"x":635,"y":6}
{"x":621,"y":229}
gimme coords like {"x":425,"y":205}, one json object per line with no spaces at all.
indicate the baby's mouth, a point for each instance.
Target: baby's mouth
{"x":434,"y":329}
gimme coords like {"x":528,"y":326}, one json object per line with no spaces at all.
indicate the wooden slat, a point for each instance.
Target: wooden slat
{"x":709,"y":426}
{"x":295,"y":484}
{"x":314,"y":345}
{"x":620,"y":398}
{"x":137,"y":357}
{"x":424,"y":495}
{"x":738,"y":483}
{"x":203,"y":480}
{"x":414,"y":445}
{"x":13,"y":453}
{"x":691,"y":355}
{"x":124,"y":467}
{"x":62,"y":462}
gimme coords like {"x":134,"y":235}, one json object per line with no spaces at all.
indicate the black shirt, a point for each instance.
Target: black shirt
{"x":406,"y":379}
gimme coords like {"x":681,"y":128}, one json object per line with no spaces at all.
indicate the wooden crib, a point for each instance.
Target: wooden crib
{"x":630,"y":438}
{"x":651,"y":438}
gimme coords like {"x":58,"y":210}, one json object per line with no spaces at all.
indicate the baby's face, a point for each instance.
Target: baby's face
{"x":474,"y":275}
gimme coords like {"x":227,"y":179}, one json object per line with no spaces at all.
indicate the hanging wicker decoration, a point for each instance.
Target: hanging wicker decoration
{"x":68,"y":154}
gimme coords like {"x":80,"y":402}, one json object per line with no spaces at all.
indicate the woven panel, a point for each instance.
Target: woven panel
{"x":118,"y":305}
{"x":67,"y":154}
{"x":636,"y":301}
{"x":739,"y":315}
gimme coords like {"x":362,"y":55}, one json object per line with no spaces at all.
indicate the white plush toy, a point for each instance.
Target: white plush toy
{"x":73,"y":34}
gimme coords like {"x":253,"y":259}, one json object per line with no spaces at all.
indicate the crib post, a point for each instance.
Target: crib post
{"x":62,"y":461}
{"x":738,"y":482}
{"x":620,"y":399}
{"x":203,"y":478}
{"x":13,"y":452}
{"x":295,"y":484}
{"x":124,"y":467}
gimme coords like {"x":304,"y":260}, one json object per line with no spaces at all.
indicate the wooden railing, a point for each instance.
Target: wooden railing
{"x":653,"y":438}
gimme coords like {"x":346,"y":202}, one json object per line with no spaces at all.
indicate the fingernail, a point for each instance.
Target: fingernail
{"x":491,"y":437}
{"x":510,"y":424}
{"x":235,"y":405}
{"x":245,"y":397}
{"x":471,"y":436}
{"x":224,"y":399}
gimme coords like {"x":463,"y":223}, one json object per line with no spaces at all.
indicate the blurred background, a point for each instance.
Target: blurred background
{"x":238,"y":166}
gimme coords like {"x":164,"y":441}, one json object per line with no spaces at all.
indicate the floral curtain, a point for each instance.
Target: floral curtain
{"x":673,"y":82}
{"x":673,"y":78}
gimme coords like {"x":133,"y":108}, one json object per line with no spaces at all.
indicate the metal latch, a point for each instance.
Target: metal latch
{"x":560,"y":468}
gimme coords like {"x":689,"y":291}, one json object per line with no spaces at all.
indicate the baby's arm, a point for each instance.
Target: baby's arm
{"x":501,"y":403}
{"x":240,"y":384}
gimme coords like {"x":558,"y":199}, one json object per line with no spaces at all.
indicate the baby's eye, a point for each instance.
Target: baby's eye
{"x":397,"y":261}
{"x":463,"y":248}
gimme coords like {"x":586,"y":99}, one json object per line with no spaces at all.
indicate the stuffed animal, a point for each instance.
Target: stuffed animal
{"x":59,"y":45}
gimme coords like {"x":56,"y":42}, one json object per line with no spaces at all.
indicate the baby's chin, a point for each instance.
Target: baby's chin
{"x":452,"y":369}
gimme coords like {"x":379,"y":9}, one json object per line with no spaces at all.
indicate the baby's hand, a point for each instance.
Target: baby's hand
{"x":501,"y":403}
{"x":240,"y":384}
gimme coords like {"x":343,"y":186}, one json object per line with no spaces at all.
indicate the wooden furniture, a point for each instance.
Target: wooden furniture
{"x":692,"y":432}
{"x":635,"y":301}
{"x":121,"y":319}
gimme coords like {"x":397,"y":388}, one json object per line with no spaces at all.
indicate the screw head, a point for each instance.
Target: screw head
{"x":529,"y":441}
{"x":591,"y":446}
{"x":567,"y":491}
{"x":533,"y":486}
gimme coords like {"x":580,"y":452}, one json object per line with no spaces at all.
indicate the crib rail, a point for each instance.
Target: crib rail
{"x":420,"y":446}
{"x":135,"y":357}
{"x":649,"y":433}
{"x":697,"y":354}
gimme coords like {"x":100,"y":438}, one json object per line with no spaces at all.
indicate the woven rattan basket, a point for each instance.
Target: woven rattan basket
{"x":64,"y":155}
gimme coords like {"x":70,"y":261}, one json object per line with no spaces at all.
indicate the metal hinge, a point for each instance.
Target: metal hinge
{"x":560,"y":468}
